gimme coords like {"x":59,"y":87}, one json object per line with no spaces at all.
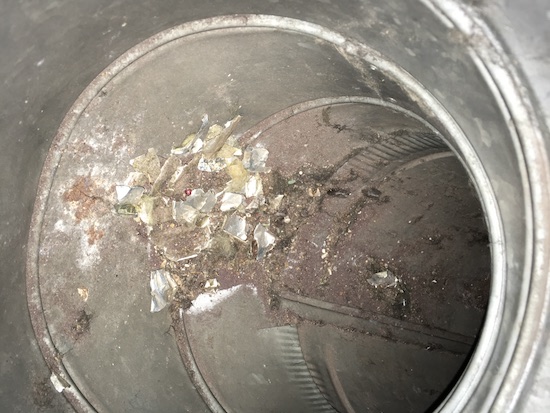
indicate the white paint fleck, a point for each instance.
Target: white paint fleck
{"x":60,"y":226}
{"x":207,"y":301}
{"x":89,"y":254}
{"x":57,"y":384}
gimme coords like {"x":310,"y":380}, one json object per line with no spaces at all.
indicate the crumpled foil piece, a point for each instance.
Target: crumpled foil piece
{"x":253,"y":186}
{"x":264,"y":239}
{"x":383,"y":279}
{"x":231,"y":201}
{"x":201,"y":201}
{"x":182,"y":212}
{"x":128,"y":199}
{"x":193,"y":143}
{"x":163,"y":287}
{"x":254,"y":159}
{"x":236,"y":227}
{"x":275,"y":203}
{"x":211,"y":284}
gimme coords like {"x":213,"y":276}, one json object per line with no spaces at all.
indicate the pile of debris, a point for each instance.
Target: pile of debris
{"x":207,"y":193}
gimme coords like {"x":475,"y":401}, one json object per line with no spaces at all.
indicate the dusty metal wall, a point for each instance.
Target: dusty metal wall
{"x":51,"y":51}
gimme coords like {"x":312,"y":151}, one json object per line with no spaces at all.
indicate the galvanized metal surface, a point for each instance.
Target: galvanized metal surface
{"x":41,"y":82}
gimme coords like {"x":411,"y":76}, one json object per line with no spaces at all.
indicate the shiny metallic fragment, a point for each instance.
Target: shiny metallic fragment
{"x":182,"y":212}
{"x":129,"y":195}
{"x":201,"y":201}
{"x":253,"y":186}
{"x":231,"y":200}
{"x":235,"y":226}
{"x":383,"y":279}
{"x":163,"y":287}
{"x":254,"y":159}
{"x":264,"y":239}
{"x":193,"y":143}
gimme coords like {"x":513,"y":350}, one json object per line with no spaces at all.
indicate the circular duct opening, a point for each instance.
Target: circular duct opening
{"x":317,"y":236}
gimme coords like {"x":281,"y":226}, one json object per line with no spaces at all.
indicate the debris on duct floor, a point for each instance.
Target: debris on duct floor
{"x":223,"y":209}
{"x":383,"y":279}
{"x":205,"y":198}
{"x":219,"y":214}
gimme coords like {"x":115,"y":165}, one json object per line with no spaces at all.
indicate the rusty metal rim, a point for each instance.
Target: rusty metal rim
{"x":349,"y":46}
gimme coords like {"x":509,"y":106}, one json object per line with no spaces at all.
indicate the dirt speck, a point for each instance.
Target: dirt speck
{"x":42,"y":393}
{"x":81,"y":325}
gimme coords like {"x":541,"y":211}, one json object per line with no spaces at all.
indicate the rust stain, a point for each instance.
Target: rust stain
{"x":94,"y":235}
{"x":86,"y":195}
